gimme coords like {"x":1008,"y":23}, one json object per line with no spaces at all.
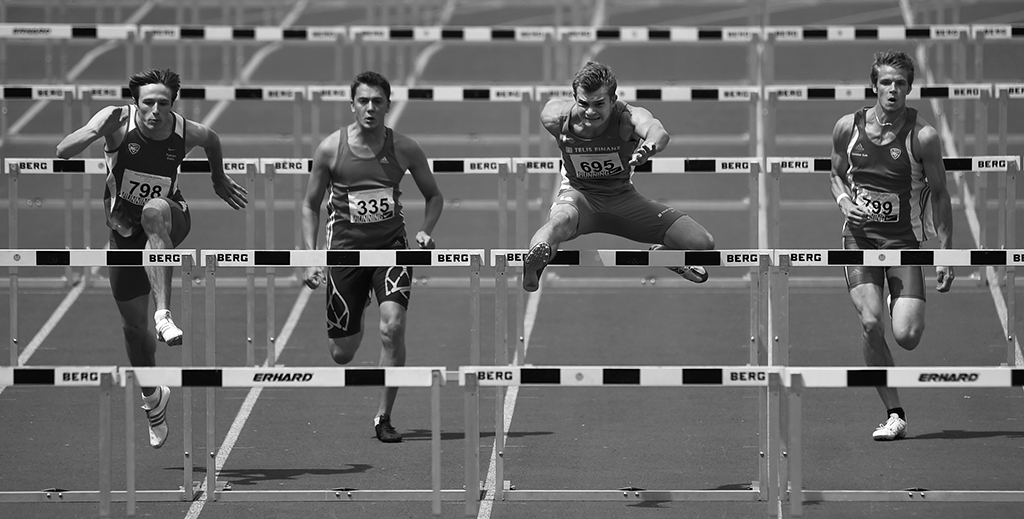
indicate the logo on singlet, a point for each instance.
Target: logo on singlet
{"x":895,"y":153}
{"x":133,"y":147}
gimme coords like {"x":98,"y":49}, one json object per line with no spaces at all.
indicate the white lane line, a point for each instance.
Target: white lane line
{"x":255,"y":61}
{"x":529,"y":319}
{"x":52,"y":322}
{"x":250,"y":402}
{"x":282,"y":340}
{"x":77,"y":70}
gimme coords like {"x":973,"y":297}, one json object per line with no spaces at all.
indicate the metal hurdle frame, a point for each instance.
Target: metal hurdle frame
{"x":763,"y":353}
{"x":213,"y":377}
{"x":875,"y":376}
{"x":472,"y":378}
{"x":102,"y":377}
{"x":797,"y":379}
{"x":213,"y":260}
{"x":184,"y":258}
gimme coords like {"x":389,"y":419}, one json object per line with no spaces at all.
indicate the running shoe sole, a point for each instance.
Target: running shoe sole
{"x":533,"y":266}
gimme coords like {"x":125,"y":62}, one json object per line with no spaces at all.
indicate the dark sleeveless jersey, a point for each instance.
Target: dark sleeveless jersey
{"x":141,"y":169}
{"x":890,"y":183}
{"x":598,"y":165}
{"x":364,"y":209}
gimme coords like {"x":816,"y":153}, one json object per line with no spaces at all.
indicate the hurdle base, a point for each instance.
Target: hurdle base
{"x":913,"y":495}
{"x":92,"y":496}
{"x":632,"y":495}
{"x":340,"y":495}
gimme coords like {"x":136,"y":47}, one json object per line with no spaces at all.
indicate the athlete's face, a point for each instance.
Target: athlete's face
{"x":594,"y":107}
{"x":892,"y":87}
{"x":155,"y":103}
{"x":370,"y":105}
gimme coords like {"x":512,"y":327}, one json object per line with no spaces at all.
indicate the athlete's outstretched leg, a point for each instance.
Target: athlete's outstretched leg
{"x":561,"y":226}
{"x":686,"y":234}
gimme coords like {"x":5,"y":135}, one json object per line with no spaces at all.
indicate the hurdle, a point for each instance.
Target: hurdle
{"x":762,"y":350}
{"x":797,"y":379}
{"x":103,"y":378}
{"x":12,"y":259}
{"x":1010,"y":258}
{"x":767,"y":378}
{"x":304,"y":377}
{"x":214,"y":260}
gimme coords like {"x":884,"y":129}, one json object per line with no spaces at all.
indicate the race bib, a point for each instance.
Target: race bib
{"x":594,"y":165}
{"x":371,"y":205}
{"x":882,"y":207}
{"x":138,"y":188}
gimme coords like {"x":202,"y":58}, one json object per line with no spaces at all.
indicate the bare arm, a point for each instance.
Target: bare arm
{"x":104,"y":123}
{"x":551,"y":115}
{"x":841,"y":191}
{"x":413,"y":158}
{"x":935,"y":171}
{"x":650,"y":129}
{"x":319,"y":179}
{"x":227,"y":189}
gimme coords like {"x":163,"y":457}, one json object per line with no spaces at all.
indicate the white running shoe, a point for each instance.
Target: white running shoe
{"x":158,"y":418}
{"x":167,"y":331}
{"x":693,"y":274}
{"x":895,"y":428}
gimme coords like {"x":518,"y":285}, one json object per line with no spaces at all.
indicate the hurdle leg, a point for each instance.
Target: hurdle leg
{"x":129,"y":442}
{"x":187,"y":487}
{"x":472,"y":445}
{"x":759,"y":357}
{"x":500,"y":359}
{"x":796,"y":476}
{"x":774,"y":451}
{"x":105,"y":458}
{"x":211,"y":360}
{"x":435,"y":442}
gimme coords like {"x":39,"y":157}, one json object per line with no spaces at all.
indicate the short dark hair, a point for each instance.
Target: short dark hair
{"x":894,"y":59}
{"x":593,"y":76}
{"x":166,"y":77}
{"x":371,"y":78}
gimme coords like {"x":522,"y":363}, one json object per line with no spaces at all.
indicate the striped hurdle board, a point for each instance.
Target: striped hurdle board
{"x":419,"y":376}
{"x":661,"y":376}
{"x":94,"y":258}
{"x":342,"y":258}
{"x":75,"y":376}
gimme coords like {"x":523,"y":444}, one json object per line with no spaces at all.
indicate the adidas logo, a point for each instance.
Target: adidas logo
{"x":384,"y":160}
{"x":859,"y":147}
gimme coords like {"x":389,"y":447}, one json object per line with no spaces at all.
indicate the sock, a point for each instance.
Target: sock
{"x":161,"y":314}
{"x":152,"y":399}
{"x":898,"y":411}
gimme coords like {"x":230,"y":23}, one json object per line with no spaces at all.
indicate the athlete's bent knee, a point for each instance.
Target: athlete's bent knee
{"x":910,"y":338}
{"x":343,"y":354}
{"x":155,"y":215}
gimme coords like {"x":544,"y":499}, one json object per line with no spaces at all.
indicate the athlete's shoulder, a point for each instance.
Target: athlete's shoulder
{"x":555,"y":108}
{"x":403,"y":142}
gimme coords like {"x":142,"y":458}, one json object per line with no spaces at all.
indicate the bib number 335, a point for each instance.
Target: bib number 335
{"x":372,"y":205}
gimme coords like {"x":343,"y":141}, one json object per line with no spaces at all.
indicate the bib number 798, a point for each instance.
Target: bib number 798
{"x":145,"y":190}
